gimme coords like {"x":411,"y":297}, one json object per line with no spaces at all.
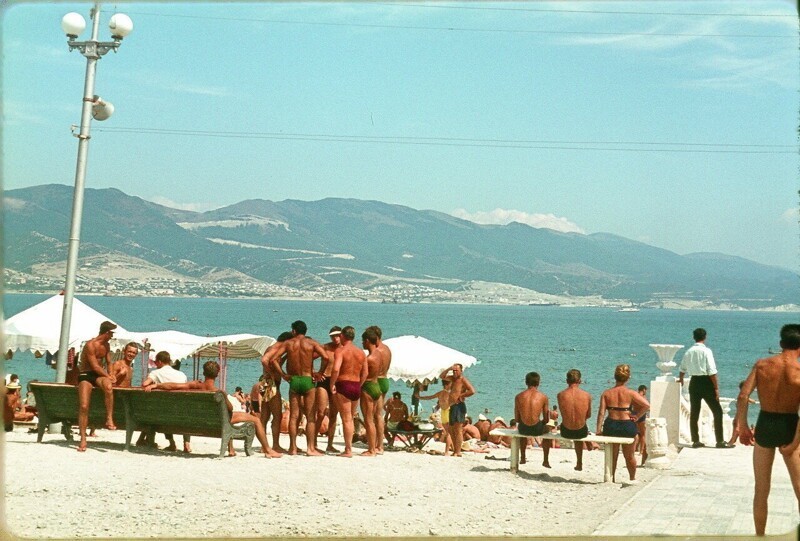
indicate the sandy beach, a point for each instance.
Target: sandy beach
{"x":51,"y":490}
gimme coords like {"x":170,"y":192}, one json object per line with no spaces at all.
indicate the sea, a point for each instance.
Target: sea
{"x":508,"y":341}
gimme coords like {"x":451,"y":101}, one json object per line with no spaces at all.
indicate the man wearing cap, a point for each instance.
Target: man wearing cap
{"x":460,"y":389}
{"x":165,"y":373}
{"x":324,"y":399}
{"x":484,"y":426}
{"x":300,"y":353}
{"x":92,"y":374}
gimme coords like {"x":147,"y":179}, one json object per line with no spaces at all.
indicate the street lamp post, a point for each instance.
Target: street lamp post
{"x":73,"y":25}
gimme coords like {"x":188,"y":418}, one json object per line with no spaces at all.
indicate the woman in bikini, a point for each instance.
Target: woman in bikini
{"x":620,"y":402}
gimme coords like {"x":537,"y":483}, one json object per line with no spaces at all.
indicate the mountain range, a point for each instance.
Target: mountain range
{"x":368,"y":246}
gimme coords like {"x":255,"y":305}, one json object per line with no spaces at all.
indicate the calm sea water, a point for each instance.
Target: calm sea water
{"x":508,"y":341}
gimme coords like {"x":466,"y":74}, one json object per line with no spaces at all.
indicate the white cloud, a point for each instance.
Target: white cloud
{"x":791,"y":216}
{"x":12,"y":203}
{"x":503,"y":217}
{"x":195,"y":207}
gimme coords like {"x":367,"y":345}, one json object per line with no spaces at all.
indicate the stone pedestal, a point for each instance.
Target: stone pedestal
{"x":665,"y":403}
{"x":657,"y":443}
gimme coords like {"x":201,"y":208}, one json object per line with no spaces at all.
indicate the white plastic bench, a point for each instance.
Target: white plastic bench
{"x":516,"y":436}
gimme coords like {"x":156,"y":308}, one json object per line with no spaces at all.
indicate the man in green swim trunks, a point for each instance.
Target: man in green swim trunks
{"x":300,"y":353}
{"x":385,"y":357}
{"x":371,"y":395}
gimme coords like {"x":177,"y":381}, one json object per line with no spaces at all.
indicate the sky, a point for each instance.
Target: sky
{"x":670,"y":123}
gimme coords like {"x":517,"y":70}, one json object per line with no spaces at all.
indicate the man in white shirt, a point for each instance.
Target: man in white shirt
{"x":698,"y":362}
{"x":165,"y":373}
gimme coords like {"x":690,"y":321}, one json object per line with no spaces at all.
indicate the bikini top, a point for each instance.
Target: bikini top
{"x":619,"y":408}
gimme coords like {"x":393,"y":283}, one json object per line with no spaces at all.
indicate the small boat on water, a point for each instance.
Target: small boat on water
{"x":628,"y":309}
{"x":173,"y":318}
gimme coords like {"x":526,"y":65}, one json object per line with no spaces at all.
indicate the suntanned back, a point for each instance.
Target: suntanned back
{"x":778,"y":383}
{"x":300,"y":355}
{"x":529,"y":405}
{"x":352,"y":359}
{"x":576,"y":406}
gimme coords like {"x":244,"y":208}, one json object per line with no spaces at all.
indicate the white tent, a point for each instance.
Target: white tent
{"x":417,"y":359}
{"x":181,"y":345}
{"x":39,"y":327}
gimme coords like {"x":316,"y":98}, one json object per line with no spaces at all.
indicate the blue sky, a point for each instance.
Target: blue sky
{"x":670,"y":123}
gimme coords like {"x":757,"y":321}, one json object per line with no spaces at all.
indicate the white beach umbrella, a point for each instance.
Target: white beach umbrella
{"x":39,"y":327}
{"x":417,"y":359}
{"x":238,"y":346}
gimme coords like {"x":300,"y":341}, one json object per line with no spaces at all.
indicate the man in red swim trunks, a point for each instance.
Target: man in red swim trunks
{"x":348,"y":375}
{"x":92,"y":374}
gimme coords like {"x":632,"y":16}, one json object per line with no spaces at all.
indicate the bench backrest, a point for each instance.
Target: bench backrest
{"x":60,"y":402}
{"x":202,"y":413}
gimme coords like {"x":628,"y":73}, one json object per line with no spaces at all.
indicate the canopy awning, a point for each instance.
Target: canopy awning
{"x":181,"y":344}
{"x":417,"y":359}
{"x":39,"y":327}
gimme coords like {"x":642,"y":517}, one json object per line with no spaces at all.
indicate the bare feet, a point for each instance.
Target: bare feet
{"x":82,"y":447}
{"x":367,"y":453}
{"x":546,"y":464}
{"x":272,"y":454}
{"x":579,"y":467}
{"x":231,"y":452}
{"x":171,"y":447}
{"x":331,"y":449}
{"x":314,"y":452}
{"x":110,"y":425}
{"x":187,"y":448}
{"x":346,"y":454}
{"x":522,"y":461}
{"x":292,"y":451}
{"x":279,"y":449}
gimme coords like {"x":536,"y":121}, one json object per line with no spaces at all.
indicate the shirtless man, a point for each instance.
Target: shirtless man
{"x":122,"y":370}
{"x":443,"y":400}
{"x":460,"y":389}
{"x":92,"y":374}
{"x":324,"y":401}
{"x":210,"y":373}
{"x":777,"y":380}
{"x":484,"y":426}
{"x":272,"y":406}
{"x":348,"y":375}
{"x":385,"y":357}
{"x":532,"y":411}
{"x":300,"y":352}
{"x":371,"y":395}
{"x":576,"y":408}
{"x":257,"y":397}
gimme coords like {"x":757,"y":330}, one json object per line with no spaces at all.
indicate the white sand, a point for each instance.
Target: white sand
{"x":54,"y":491}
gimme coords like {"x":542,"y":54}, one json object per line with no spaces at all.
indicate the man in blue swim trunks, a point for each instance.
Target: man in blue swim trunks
{"x":777,"y":380}
{"x":460,"y":389}
{"x":300,"y":354}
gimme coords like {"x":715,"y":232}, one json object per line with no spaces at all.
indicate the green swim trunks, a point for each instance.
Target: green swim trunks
{"x":384,"y":383}
{"x":301,"y":384}
{"x":372,"y":389}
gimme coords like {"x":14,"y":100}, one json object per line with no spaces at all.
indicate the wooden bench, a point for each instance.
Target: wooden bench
{"x":58,"y":403}
{"x":608,"y":449}
{"x":196,"y":413}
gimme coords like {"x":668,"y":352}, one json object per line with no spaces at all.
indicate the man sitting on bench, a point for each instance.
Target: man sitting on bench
{"x":210,"y":372}
{"x":531,"y":410}
{"x":92,"y":374}
{"x":576,"y":408}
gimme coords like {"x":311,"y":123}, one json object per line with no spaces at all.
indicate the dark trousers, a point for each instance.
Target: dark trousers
{"x":702,"y":388}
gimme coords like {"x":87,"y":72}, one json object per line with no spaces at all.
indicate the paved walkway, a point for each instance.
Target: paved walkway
{"x":705,"y":492}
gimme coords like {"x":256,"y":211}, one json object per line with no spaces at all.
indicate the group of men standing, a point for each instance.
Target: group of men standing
{"x":346,"y":377}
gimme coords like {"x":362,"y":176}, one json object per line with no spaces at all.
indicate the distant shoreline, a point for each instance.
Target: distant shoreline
{"x":614,"y":305}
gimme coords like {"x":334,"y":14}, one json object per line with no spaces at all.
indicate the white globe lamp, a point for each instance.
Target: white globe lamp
{"x":121,"y":25}
{"x":73,"y":24}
